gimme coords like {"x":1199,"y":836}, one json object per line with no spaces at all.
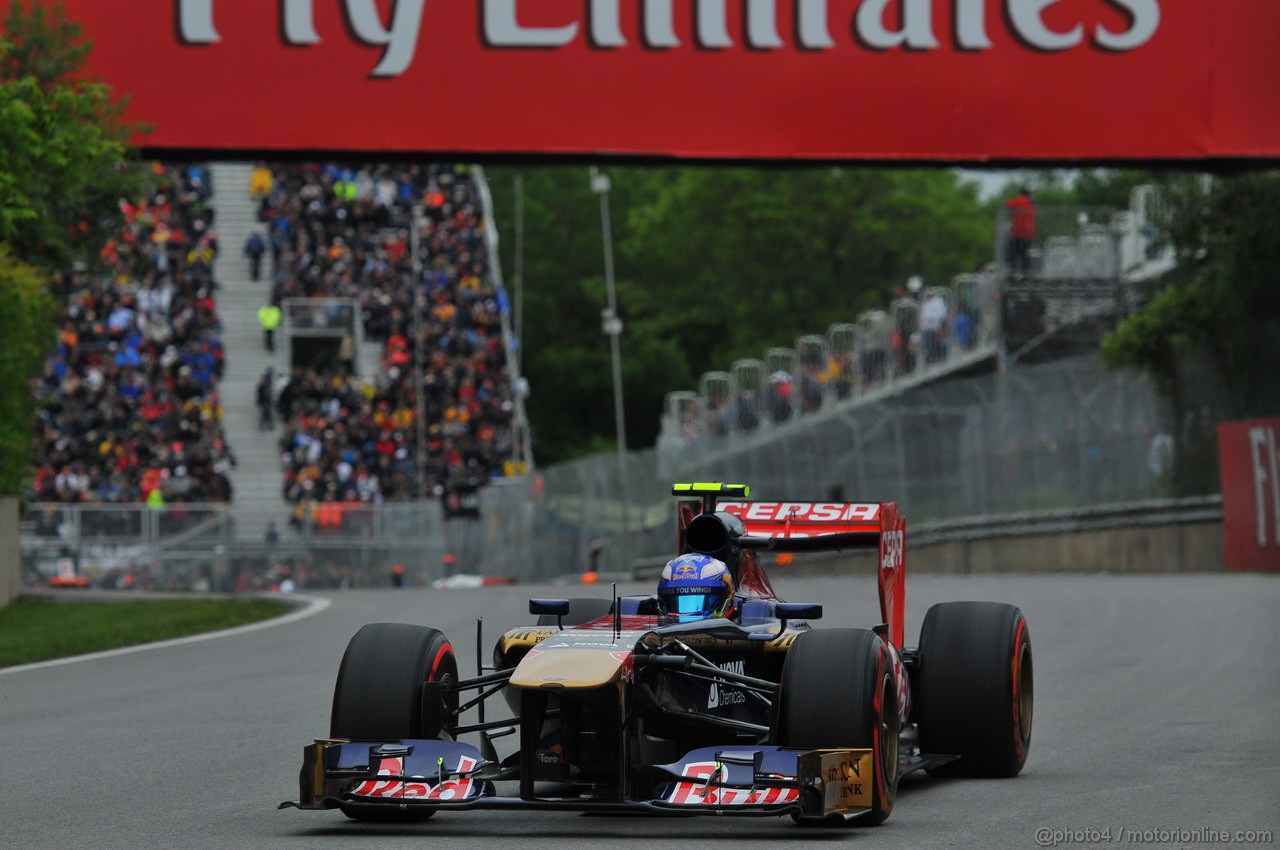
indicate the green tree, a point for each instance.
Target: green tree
{"x":1220,"y":307}
{"x":1109,"y":187}
{"x":1223,"y":300}
{"x":712,"y":264}
{"x":64,"y":164}
{"x":65,"y":159}
{"x":42,"y":44}
{"x":732,"y":261}
{"x":26,"y":325}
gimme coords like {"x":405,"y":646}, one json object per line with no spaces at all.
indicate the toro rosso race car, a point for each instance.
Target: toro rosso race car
{"x":713,"y":696}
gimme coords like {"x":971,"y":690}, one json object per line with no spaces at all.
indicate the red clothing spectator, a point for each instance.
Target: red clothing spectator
{"x":1022,"y":230}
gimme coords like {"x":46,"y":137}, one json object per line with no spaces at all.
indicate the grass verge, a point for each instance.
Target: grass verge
{"x":39,"y":629}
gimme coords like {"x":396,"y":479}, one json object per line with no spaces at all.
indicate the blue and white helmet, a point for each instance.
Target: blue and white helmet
{"x":695,"y":587}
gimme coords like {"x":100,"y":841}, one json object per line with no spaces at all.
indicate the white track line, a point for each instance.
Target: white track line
{"x":314,"y":606}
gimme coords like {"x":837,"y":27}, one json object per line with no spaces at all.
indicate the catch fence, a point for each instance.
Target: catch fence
{"x":1064,"y":435}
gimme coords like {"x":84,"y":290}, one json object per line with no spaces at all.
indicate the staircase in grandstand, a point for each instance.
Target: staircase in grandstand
{"x":256,"y":476}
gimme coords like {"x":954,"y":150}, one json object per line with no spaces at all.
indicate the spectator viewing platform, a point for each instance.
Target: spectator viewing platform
{"x":343,"y":418}
{"x":1069,"y":248}
{"x":1056,"y":270}
{"x":1067,"y":273}
{"x":926,"y":333}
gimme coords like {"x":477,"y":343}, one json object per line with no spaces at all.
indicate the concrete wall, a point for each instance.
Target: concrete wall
{"x":1180,"y":547}
{"x":10,"y":559}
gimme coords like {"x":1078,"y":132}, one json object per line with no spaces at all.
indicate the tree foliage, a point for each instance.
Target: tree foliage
{"x":27,"y":314}
{"x":64,"y":164}
{"x":65,"y":159}
{"x":1210,"y":338}
{"x":43,"y":44}
{"x":712,"y":264}
{"x":1223,"y":301}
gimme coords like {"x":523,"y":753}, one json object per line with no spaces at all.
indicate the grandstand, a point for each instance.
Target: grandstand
{"x":129,"y":405}
{"x":335,"y":487}
{"x":347,"y":243}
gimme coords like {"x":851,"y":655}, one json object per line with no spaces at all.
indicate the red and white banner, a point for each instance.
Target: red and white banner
{"x":773,"y":79}
{"x":1249,"y":453}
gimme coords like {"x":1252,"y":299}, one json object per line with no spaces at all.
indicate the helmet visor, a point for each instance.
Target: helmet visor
{"x":694,"y":605}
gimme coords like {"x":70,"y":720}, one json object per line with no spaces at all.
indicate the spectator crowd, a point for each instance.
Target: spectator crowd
{"x":345,"y":231}
{"x":128,"y":406}
{"x":923,"y":327}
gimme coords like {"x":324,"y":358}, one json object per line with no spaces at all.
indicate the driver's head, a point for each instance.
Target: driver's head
{"x":695,"y":587}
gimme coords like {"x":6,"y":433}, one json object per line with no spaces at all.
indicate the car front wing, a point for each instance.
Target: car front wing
{"x":437,"y":774}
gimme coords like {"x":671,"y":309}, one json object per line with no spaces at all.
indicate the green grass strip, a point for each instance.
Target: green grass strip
{"x":39,"y":629}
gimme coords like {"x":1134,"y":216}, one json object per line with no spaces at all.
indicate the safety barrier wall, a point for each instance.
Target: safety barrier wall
{"x":1158,"y":536}
{"x":1147,"y":537}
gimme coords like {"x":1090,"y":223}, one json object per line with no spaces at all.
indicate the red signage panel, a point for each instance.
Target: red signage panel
{"x":844,"y":79}
{"x":1249,"y":453}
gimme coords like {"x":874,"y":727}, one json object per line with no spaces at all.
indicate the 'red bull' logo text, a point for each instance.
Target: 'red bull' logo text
{"x":876,"y":25}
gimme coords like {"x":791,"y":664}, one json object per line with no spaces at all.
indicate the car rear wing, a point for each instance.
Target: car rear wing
{"x":802,"y":527}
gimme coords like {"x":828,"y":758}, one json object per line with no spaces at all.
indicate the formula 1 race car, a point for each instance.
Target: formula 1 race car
{"x":634,"y":703}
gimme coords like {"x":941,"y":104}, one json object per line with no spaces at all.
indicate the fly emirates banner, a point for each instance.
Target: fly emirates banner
{"x":746,"y":79}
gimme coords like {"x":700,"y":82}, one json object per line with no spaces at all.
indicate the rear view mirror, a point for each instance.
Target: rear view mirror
{"x":554,"y":607}
{"x":798,"y":610}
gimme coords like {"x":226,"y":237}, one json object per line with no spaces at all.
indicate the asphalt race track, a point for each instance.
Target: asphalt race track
{"x":1157,"y":707}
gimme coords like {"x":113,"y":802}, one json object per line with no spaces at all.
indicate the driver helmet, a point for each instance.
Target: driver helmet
{"x":695,"y":587}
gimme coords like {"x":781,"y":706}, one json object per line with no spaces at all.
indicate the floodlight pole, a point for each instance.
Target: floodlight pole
{"x":612,"y":327}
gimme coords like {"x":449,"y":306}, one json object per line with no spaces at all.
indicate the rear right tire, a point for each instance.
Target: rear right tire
{"x":975,"y":691}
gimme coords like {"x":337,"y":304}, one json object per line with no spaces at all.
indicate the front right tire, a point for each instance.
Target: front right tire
{"x":379,"y":696}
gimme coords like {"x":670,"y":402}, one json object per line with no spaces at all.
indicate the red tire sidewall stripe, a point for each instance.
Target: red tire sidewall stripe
{"x":883,"y":792}
{"x":1019,"y":636}
{"x":445,"y":649}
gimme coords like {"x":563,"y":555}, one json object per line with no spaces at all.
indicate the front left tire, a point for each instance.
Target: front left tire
{"x":839,"y":691}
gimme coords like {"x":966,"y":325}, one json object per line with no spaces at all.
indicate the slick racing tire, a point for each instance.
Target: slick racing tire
{"x":379,"y":694}
{"x":839,"y":691}
{"x":975,"y":690}
{"x":581,"y":610}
